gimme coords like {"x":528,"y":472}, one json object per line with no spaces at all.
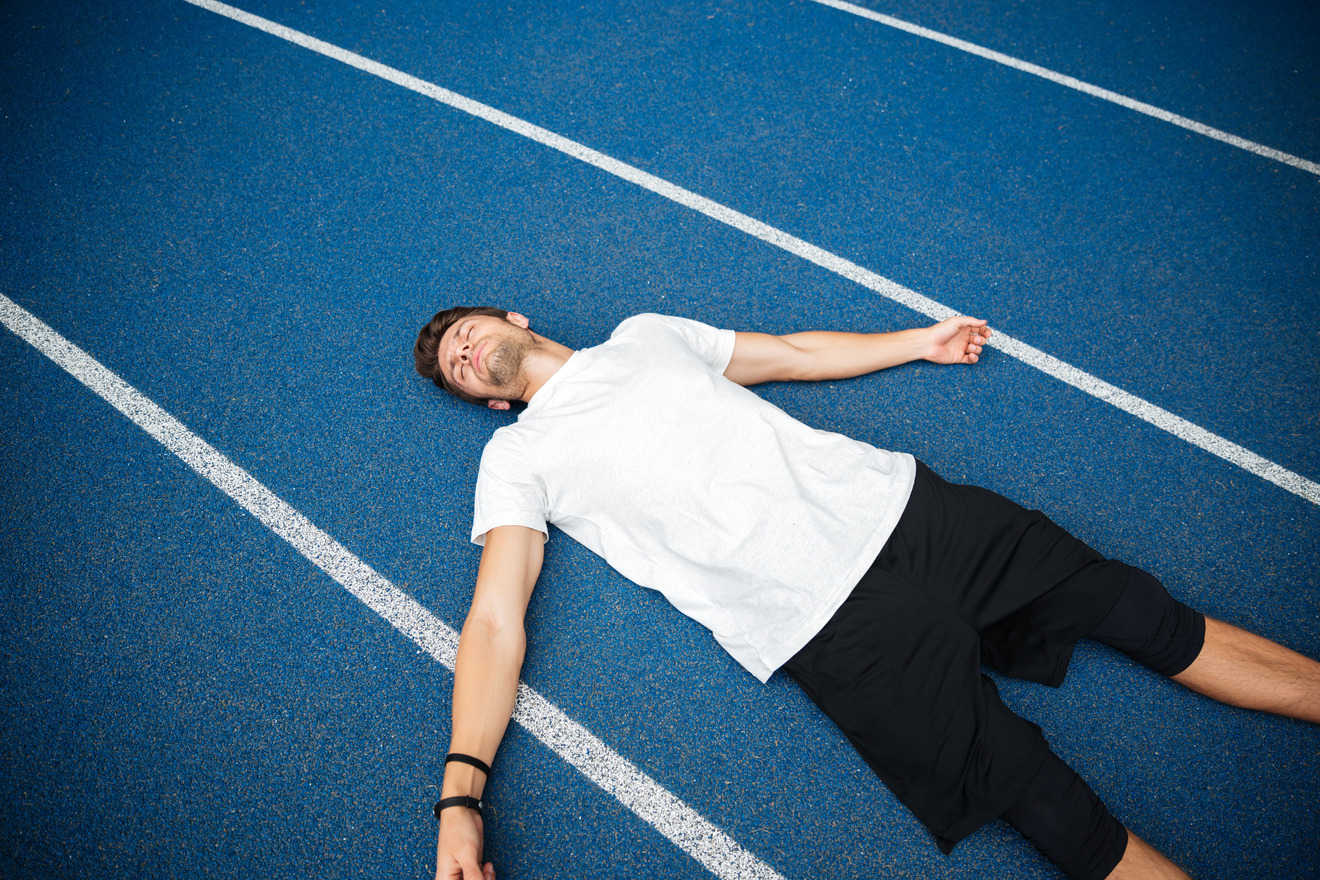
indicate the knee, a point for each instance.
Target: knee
{"x":1063,"y":818}
{"x":1152,"y":627}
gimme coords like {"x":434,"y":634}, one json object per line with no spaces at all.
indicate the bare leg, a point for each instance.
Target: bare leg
{"x":1141,"y":861}
{"x":1242,"y":669}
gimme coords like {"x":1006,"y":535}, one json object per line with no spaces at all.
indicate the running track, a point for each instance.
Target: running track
{"x":247,"y":233}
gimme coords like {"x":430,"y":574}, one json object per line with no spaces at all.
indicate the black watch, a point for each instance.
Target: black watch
{"x":461,"y":801}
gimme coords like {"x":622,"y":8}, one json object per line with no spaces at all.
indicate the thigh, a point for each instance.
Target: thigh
{"x":981,"y":554}
{"x":1028,"y":586}
{"x":900,"y":675}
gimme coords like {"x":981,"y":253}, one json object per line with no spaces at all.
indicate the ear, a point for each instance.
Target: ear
{"x":520,"y":320}
{"x":498,"y":404}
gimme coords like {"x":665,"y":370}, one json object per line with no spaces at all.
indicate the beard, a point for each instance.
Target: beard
{"x":505,"y":362}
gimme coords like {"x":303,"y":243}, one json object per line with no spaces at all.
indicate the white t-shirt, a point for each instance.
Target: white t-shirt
{"x":747,"y":520}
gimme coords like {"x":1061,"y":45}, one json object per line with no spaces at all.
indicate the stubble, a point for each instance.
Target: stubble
{"x":504,"y":364}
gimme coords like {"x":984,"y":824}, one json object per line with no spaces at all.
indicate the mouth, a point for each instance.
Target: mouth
{"x":476,"y":356}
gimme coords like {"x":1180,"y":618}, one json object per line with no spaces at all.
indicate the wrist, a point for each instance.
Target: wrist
{"x":465,"y":776}
{"x":461,"y":780}
{"x":932,"y":346}
{"x":460,"y":802}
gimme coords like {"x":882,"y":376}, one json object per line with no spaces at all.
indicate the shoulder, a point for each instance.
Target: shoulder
{"x":659,"y":325}
{"x":505,"y":447}
{"x":639,"y":324}
{"x":508,"y":467}
{"x":710,"y":344}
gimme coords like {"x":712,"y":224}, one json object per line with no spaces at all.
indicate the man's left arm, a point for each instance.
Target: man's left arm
{"x":817,"y":355}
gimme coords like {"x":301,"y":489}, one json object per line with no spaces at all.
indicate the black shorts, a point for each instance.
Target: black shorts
{"x":968,"y":577}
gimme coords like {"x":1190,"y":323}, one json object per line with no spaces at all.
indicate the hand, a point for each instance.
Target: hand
{"x":957,"y":341}
{"x":458,"y":851}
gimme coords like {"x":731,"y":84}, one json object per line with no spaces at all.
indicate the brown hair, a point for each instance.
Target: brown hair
{"x":426,"y":353}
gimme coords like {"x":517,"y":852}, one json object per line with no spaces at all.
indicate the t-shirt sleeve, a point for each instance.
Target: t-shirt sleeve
{"x":711,"y":344}
{"x":508,"y":493}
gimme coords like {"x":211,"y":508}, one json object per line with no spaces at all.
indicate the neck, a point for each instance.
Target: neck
{"x":542,"y":362}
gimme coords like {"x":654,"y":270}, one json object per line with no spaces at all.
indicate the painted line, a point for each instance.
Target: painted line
{"x":1072,"y":83}
{"x":1142,"y":409}
{"x":678,"y":822}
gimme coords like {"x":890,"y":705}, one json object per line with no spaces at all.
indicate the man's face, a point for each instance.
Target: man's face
{"x":482,"y":355}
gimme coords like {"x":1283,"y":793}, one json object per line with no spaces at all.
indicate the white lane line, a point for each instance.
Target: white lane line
{"x":681,"y":824}
{"x":1072,"y":83}
{"x":1160,"y":418}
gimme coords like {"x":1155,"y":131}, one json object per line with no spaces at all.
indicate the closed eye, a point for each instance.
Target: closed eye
{"x":467,"y":337}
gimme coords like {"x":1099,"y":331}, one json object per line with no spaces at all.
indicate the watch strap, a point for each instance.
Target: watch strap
{"x":460,"y":801}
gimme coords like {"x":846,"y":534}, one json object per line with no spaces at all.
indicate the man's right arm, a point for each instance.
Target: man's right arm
{"x":490,"y":656}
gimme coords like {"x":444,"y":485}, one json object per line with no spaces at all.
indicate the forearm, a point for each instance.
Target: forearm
{"x":490,"y":657}
{"x":835,"y":355}
{"x":485,"y":690}
{"x":824,"y":354}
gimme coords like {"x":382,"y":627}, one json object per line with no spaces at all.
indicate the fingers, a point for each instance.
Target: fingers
{"x":980,"y":334}
{"x":471,"y":871}
{"x":978,"y":329}
{"x":959,"y":340}
{"x":458,"y":849}
{"x":487,"y":872}
{"x":465,"y":870}
{"x":978,"y":325}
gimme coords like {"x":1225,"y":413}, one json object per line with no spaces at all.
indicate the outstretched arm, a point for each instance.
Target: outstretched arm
{"x":490,"y":655}
{"x":817,"y":355}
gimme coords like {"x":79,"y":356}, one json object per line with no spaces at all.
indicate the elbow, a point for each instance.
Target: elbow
{"x":492,"y":646}
{"x":808,"y":368}
{"x":809,"y":371}
{"x":800,"y":365}
{"x":494,"y":627}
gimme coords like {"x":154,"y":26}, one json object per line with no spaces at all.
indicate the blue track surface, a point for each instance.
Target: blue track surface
{"x":250,"y":234}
